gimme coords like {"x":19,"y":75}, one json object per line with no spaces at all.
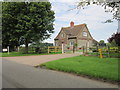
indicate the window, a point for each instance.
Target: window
{"x":71,"y":43}
{"x":84,"y":33}
{"x":56,"y":43}
{"x":62,"y":35}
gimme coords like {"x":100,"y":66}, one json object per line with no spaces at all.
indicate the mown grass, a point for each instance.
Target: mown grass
{"x":12,"y":54}
{"x":106,"y":68}
{"x":105,"y":54}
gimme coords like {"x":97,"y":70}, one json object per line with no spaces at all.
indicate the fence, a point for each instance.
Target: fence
{"x":34,"y":49}
{"x":106,"y":51}
{"x":54,"y":49}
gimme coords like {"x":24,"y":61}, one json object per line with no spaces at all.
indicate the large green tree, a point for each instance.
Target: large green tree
{"x":26,"y":22}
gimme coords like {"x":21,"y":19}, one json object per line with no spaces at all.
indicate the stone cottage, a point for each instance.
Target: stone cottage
{"x":78,"y":35}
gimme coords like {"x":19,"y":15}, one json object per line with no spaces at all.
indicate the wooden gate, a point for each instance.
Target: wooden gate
{"x":54,"y":49}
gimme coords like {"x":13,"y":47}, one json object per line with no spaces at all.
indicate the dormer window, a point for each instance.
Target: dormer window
{"x":85,"y":34}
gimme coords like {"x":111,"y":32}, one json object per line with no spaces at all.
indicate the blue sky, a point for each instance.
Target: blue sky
{"x":92,"y":15}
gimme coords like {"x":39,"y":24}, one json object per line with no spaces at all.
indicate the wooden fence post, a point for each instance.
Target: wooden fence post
{"x":97,"y":50}
{"x":108,"y":51}
{"x":48,"y":50}
{"x":62,"y":49}
{"x":83,"y":50}
{"x":55,"y":49}
{"x":86,"y":48}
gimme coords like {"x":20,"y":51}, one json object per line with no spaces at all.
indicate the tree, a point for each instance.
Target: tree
{"x":0,"y":21}
{"x":115,"y":39}
{"x":9,"y":35}
{"x":102,"y":43}
{"x":27,"y":22}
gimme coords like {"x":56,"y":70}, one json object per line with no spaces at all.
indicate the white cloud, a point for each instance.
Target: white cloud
{"x":58,"y":8}
{"x":92,"y":14}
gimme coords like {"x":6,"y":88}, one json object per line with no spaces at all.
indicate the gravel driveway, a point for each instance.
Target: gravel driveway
{"x":39,"y":59}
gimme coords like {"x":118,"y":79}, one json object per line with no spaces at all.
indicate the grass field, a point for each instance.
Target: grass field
{"x":11,"y":54}
{"x":106,"y":68}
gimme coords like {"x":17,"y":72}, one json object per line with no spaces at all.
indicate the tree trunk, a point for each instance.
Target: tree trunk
{"x":26,"y":46}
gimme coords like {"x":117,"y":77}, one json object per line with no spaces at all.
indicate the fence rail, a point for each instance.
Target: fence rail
{"x":54,"y":49}
{"x":106,"y":51}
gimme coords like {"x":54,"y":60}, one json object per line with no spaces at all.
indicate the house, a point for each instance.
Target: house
{"x":78,"y":35}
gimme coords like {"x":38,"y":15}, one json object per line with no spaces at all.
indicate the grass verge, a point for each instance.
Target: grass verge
{"x":105,"y":54}
{"x":106,"y":68}
{"x":12,"y":54}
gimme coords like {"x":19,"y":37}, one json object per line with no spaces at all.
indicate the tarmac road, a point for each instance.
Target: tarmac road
{"x":17,"y":75}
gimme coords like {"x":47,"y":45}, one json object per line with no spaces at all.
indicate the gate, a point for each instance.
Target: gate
{"x":54,"y":49}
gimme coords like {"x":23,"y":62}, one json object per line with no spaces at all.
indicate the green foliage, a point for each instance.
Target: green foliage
{"x":114,"y":39}
{"x":26,"y":22}
{"x":75,"y":44}
{"x":102,"y":43}
{"x":40,"y":44}
{"x":106,"y":68}
{"x":113,"y":43}
{"x":41,"y":47}
{"x":34,"y":50}
{"x":108,"y":44}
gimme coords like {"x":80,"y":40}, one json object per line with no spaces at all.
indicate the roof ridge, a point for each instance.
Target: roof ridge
{"x":75,"y":25}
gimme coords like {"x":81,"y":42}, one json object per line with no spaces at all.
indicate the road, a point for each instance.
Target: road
{"x":16,"y":75}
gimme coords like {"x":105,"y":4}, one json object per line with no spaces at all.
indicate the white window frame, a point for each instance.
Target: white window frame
{"x":71,"y":43}
{"x":84,"y":33}
{"x":62,"y":35}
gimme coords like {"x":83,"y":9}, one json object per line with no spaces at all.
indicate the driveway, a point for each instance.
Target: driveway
{"x":36,"y":60}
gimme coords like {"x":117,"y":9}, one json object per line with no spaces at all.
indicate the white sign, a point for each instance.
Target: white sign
{"x":4,"y":50}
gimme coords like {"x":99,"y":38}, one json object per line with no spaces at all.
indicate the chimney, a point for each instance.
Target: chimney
{"x":71,"y":24}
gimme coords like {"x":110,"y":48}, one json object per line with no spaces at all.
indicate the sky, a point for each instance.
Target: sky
{"x":92,"y":15}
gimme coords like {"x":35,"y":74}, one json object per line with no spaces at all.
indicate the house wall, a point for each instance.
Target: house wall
{"x":84,"y":40}
{"x":81,"y":43}
{"x":80,"y":35}
{"x":62,"y":39}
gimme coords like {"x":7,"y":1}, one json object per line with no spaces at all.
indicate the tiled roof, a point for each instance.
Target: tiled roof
{"x":72,"y":31}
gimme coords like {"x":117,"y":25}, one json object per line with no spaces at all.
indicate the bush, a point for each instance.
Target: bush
{"x":30,"y":50}
{"x":40,"y":50}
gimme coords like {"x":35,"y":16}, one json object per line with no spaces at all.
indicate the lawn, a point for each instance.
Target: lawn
{"x":106,"y":68}
{"x":11,"y":54}
{"x":105,"y":54}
